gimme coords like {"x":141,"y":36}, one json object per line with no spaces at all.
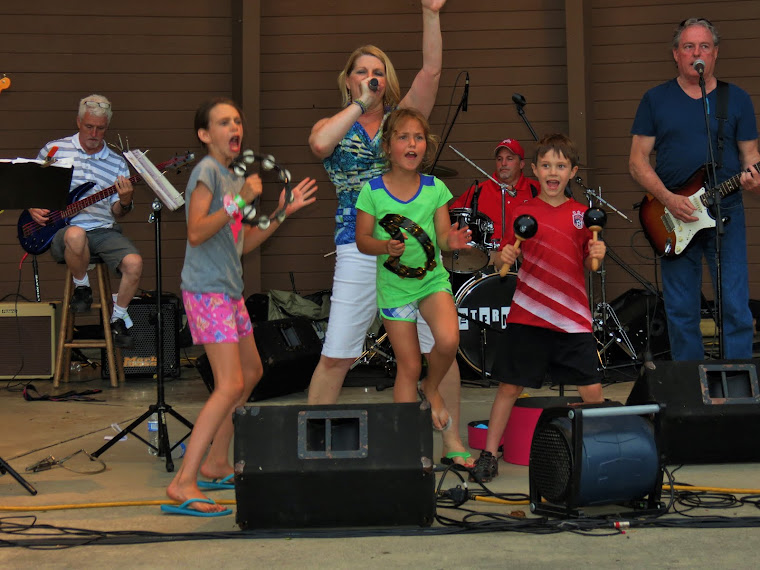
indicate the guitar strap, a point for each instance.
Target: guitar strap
{"x":721,"y":113}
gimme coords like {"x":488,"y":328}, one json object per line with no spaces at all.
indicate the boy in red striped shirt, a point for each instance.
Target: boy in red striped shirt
{"x":549,"y":327}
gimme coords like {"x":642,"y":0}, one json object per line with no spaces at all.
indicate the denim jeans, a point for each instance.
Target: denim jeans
{"x":682,"y":287}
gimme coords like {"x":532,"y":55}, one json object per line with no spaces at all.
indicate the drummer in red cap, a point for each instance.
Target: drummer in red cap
{"x":510,"y":161}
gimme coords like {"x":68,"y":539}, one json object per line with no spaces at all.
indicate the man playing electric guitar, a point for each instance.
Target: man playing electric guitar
{"x":94,"y":231}
{"x":670,"y":120}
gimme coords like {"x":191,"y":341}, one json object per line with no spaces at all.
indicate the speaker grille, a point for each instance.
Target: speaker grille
{"x":141,"y":360}
{"x":551,"y":462}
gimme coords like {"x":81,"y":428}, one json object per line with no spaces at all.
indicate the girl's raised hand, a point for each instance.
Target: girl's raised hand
{"x":303,"y":195}
{"x":458,"y":238}
{"x":433,"y":5}
{"x":251,"y":189}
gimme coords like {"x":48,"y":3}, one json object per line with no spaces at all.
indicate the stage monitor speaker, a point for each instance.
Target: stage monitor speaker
{"x":334,"y":466}
{"x":289,"y":351}
{"x":631,"y":309}
{"x":141,"y":360}
{"x":711,"y":409}
{"x":594,"y":455}
{"x":28,"y":334}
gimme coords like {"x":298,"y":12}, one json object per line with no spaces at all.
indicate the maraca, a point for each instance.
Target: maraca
{"x":525,"y":227}
{"x":595,"y":219}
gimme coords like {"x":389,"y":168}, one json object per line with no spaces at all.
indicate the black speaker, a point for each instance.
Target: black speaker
{"x":711,"y":409}
{"x":141,"y":360}
{"x":594,"y":455}
{"x":635,"y":309}
{"x":334,"y":466}
{"x":289,"y":350}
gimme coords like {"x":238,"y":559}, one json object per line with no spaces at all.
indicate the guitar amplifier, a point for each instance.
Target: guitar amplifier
{"x":141,"y":360}
{"x":28,"y":333}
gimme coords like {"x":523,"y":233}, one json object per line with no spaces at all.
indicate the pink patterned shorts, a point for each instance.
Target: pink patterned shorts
{"x":215,"y":318}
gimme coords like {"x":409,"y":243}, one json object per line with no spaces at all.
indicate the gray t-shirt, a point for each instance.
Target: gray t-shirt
{"x":214,"y":266}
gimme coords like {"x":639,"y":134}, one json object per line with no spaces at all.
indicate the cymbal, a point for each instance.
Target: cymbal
{"x":443,"y":171}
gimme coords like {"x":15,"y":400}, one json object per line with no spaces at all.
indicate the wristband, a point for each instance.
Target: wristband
{"x":361,"y":106}
{"x":128,"y":207}
{"x":240,"y":202}
{"x":230,"y":206}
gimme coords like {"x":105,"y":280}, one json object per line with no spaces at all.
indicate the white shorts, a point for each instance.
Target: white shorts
{"x":353,"y":305}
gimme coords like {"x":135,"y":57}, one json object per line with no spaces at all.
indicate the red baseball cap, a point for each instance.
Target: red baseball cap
{"x":513,"y":146}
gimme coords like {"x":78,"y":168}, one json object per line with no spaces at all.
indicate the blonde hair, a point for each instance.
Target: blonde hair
{"x":399,"y":115}
{"x":392,"y":91}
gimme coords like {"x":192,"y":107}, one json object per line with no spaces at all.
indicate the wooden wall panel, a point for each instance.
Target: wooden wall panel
{"x":155,"y":61}
{"x":506,"y":48}
{"x":158,"y":60}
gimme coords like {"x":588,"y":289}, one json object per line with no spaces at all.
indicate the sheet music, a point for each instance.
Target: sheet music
{"x":160,"y":185}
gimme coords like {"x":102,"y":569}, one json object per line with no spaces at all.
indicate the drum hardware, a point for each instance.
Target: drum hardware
{"x":476,"y":257}
{"x":606,"y":326}
{"x":505,"y":187}
{"x":376,"y":350}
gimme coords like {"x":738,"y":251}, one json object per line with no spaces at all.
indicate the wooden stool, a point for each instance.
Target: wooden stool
{"x":66,"y":339}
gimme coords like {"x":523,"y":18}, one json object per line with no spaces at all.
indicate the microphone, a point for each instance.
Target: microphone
{"x":518,"y":100}
{"x":373,"y":84}
{"x":699,"y":66}
{"x":466,"y":95}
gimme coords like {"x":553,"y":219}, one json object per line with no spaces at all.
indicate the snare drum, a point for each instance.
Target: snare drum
{"x":476,"y":257}
{"x":483,"y":305}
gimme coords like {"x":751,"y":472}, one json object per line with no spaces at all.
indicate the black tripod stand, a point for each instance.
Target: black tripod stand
{"x":161,"y":408}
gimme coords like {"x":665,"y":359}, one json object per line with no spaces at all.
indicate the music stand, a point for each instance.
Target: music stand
{"x":43,"y":187}
{"x":34,"y":184}
{"x":173,"y":200}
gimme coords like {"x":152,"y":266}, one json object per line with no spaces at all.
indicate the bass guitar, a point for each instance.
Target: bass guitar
{"x":668,"y":235}
{"x":36,"y":239}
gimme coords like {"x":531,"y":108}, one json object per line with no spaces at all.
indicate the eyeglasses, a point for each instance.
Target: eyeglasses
{"x":101,"y":104}
{"x":695,"y":21}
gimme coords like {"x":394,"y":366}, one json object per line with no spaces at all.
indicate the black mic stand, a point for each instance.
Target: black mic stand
{"x":520,"y":102}
{"x":714,"y":198}
{"x":461,"y":106}
{"x":161,"y":408}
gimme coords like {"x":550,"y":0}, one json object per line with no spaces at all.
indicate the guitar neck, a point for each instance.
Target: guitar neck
{"x":729,"y":186}
{"x":79,"y":205}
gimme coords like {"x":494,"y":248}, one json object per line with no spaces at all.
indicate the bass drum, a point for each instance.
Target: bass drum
{"x":483,"y":305}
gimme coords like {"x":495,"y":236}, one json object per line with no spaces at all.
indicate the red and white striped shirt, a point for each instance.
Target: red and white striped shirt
{"x":551,"y":283}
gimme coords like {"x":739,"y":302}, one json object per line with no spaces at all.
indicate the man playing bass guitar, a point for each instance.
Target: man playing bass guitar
{"x":670,"y":120}
{"x":94,"y":230}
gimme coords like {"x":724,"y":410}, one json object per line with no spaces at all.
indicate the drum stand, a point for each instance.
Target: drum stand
{"x":608,"y":327}
{"x":376,"y":350}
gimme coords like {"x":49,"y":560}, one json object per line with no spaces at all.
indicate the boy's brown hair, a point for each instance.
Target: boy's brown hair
{"x":559,"y":143}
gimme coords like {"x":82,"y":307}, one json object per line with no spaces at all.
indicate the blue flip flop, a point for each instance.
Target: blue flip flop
{"x":217,"y":484}
{"x":184,"y":509}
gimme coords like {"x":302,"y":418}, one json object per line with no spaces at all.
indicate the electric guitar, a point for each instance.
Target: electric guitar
{"x":668,"y":235}
{"x":36,"y":239}
{"x":5,"y":82}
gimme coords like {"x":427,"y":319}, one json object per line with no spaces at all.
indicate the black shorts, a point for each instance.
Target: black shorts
{"x":532,"y":352}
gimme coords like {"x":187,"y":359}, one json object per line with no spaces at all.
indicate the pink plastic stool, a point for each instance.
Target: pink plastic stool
{"x":518,"y":434}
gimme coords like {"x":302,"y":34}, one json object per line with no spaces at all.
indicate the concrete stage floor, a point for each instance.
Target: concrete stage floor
{"x":33,"y":430}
